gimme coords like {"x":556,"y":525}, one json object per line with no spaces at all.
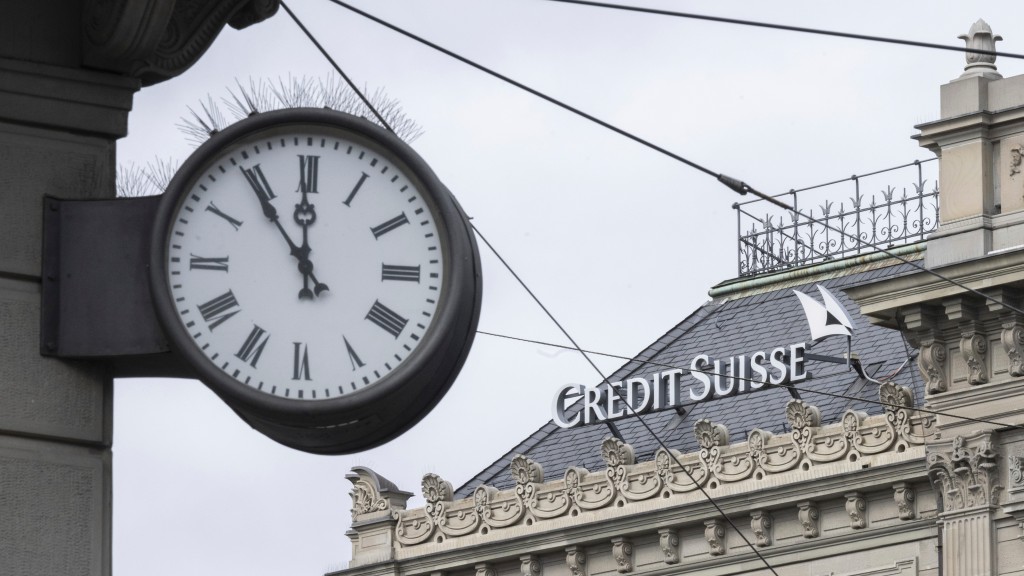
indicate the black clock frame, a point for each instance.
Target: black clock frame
{"x":367,"y":417}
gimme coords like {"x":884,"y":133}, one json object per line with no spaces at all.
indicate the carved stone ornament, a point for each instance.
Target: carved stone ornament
{"x":1012,"y":337}
{"x":576,"y":559}
{"x":905,"y":497}
{"x":980,"y":37}
{"x":673,"y":476}
{"x":372,"y":493}
{"x":155,"y":40}
{"x":668,"y":538}
{"x":485,"y":570}
{"x":1015,"y":159}
{"x":714,"y":533}
{"x":856,"y":507}
{"x":974,"y":348}
{"x":761,"y":526}
{"x":967,"y":473}
{"x":622,"y":552}
{"x":529,"y":565}
{"x":932,"y":363}
{"x":809,"y":518}
{"x":1016,"y":472}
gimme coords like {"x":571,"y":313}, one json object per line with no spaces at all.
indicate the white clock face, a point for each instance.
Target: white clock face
{"x":305,"y":264}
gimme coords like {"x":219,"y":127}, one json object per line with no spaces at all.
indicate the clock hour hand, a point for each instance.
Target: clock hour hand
{"x":258,"y":182}
{"x":305,"y":216}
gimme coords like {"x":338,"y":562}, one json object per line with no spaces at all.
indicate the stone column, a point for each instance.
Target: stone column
{"x":964,"y":470}
{"x":68,"y":72}
{"x":58,"y":127}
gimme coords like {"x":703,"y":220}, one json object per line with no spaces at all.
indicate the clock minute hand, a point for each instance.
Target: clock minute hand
{"x":258,"y":182}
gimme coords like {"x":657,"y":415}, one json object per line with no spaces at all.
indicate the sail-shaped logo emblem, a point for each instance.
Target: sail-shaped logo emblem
{"x":828,"y":319}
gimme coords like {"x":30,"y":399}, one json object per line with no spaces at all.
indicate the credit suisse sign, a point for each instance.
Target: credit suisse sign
{"x":708,"y":378}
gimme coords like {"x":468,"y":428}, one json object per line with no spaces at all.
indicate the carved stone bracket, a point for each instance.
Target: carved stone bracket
{"x":809,"y":518}
{"x":856,"y":507}
{"x":1012,"y":337}
{"x":155,"y":40}
{"x":974,"y":349}
{"x":622,"y":552}
{"x":966,"y":469}
{"x":529,"y":565}
{"x":485,"y":570}
{"x":668,"y":538}
{"x":761,"y":526}
{"x":905,"y":496}
{"x":1016,"y":474}
{"x":576,"y":559}
{"x":714,"y":533}
{"x":932,"y":363}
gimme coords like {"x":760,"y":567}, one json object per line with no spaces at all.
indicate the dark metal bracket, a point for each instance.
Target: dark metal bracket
{"x":96,"y":302}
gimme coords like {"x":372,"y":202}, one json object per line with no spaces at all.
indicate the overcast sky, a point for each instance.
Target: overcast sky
{"x":619,"y":242}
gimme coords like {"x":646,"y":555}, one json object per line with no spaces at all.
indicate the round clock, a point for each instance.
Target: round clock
{"x":317,"y":276}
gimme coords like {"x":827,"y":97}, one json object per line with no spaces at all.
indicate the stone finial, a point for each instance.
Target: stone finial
{"x":980,"y":37}
{"x":373,"y":494}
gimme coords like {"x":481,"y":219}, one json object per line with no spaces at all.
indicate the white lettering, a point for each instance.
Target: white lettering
{"x":592,"y":405}
{"x":797,"y":369}
{"x":641,"y":384}
{"x":613,"y":398}
{"x":778,"y":361}
{"x":560,"y":405}
{"x":760,"y":375}
{"x":697,"y":370}
{"x":670,"y":379}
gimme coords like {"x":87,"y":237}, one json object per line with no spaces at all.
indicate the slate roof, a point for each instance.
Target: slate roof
{"x":722,"y":328}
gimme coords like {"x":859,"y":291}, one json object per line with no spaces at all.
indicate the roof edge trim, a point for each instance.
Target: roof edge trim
{"x":738,"y":285}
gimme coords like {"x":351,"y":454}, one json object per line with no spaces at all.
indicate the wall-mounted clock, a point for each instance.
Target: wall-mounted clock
{"x":317,"y":275}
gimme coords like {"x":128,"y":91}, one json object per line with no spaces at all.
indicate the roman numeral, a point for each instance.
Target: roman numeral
{"x":253,"y":346}
{"x":352,"y":194}
{"x":386,"y":318}
{"x":402,"y":273}
{"x":213,"y":208}
{"x":203,"y":263}
{"x":352,"y":356}
{"x":309,"y":167}
{"x":384,"y":228}
{"x":300,"y":367}
{"x":217,"y":311}
{"x":259,"y":182}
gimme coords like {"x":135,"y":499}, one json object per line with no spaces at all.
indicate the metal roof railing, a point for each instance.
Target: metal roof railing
{"x":875,"y":215}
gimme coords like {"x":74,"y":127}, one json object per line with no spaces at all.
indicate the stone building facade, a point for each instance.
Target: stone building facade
{"x":914,"y":464}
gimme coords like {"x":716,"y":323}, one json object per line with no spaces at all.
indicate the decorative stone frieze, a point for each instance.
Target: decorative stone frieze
{"x":529,"y":565}
{"x":668,"y":539}
{"x":905,"y":497}
{"x":966,"y":472}
{"x":809,"y":517}
{"x":576,"y":559}
{"x":856,"y":507}
{"x":761,"y":526}
{"x":534,"y":501}
{"x":622,"y":552}
{"x":714,"y":533}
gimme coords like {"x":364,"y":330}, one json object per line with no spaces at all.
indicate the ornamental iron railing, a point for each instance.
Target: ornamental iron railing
{"x":869,"y":216}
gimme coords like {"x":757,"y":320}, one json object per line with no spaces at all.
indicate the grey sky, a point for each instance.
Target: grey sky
{"x":620,"y":242}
